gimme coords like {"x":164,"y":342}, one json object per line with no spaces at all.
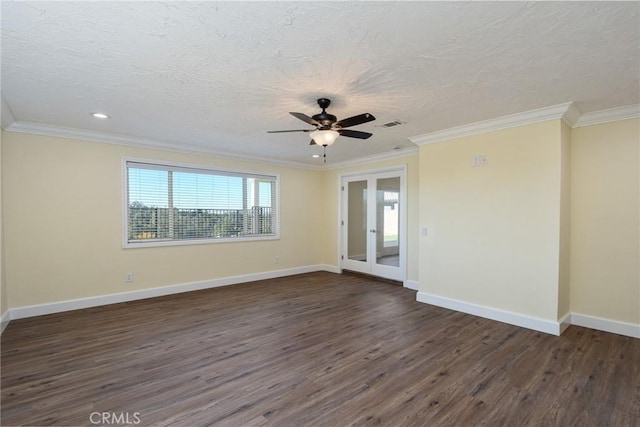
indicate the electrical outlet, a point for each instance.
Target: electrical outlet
{"x":479,"y":160}
{"x":128,"y":277}
{"x":276,"y":260}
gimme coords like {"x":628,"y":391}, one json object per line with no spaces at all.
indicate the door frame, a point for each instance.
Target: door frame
{"x":401,"y":170}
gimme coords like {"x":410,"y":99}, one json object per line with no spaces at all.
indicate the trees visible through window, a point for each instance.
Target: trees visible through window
{"x":168,"y":203}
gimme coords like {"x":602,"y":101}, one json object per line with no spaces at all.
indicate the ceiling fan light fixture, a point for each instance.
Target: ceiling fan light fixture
{"x":324,"y":137}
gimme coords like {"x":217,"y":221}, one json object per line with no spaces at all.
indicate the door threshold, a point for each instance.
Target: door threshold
{"x":373,"y":277}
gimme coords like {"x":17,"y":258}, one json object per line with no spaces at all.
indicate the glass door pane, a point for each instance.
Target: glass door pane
{"x":357,"y":221}
{"x":388,"y":221}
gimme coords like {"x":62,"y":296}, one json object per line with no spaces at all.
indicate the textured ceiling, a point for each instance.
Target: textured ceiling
{"x":215,"y":76}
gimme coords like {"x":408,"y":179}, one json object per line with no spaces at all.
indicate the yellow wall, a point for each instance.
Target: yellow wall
{"x":3,"y":284}
{"x":605,"y":216}
{"x":331,"y":196}
{"x":63,"y":217}
{"x":564,"y":285}
{"x":494,"y":230}
{"x":549,"y":225}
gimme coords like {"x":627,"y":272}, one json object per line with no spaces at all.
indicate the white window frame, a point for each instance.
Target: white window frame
{"x":194,"y":167}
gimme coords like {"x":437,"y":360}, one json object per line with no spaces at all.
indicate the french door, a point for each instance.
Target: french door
{"x":373,"y":224}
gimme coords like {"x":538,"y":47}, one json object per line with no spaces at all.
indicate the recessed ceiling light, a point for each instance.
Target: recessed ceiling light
{"x":100,"y":115}
{"x":315,"y":156}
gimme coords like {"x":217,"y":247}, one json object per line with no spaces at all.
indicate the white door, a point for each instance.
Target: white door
{"x":373,"y":224}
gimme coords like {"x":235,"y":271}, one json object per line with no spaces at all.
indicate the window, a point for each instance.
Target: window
{"x":173,"y":204}
{"x":391,"y":220}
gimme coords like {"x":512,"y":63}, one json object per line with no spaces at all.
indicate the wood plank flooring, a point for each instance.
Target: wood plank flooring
{"x":318,"y":349}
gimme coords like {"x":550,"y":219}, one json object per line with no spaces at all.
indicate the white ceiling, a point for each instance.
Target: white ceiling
{"x":215,"y":76}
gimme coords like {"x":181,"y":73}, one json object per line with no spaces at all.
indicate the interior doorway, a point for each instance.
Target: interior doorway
{"x":373,"y":223}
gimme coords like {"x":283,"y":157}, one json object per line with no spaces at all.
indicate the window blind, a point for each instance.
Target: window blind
{"x":176,"y":203}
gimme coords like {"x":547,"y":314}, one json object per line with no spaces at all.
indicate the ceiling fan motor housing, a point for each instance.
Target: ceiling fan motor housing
{"x":325,"y":119}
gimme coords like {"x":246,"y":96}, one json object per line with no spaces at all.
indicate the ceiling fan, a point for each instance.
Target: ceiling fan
{"x":328,"y":127}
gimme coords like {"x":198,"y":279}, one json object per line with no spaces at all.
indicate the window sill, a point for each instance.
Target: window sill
{"x":164,"y":243}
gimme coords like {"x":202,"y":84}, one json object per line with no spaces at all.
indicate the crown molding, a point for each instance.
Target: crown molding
{"x":610,"y":115}
{"x":566,"y":111}
{"x":130,"y":141}
{"x":572,"y":115}
{"x":7,"y":115}
{"x":405,"y":152}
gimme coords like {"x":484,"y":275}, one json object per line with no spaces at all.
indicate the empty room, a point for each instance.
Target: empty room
{"x":320,"y":213}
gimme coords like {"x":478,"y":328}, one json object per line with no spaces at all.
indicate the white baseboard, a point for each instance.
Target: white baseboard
{"x":4,"y":320}
{"x":76,"y":304}
{"x":517,"y":319}
{"x":565,"y":322}
{"x":411,"y":284}
{"x":330,"y":268}
{"x":538,"y":324}
{"x":607,"y":325}
{"x":535,"y":323}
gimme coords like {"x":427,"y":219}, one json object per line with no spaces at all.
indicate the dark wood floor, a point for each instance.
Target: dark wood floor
{"x":314,"y":349}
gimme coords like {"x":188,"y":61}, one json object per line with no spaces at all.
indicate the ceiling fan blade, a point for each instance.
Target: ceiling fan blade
{"x":305,"y":118}
{"x":355,"y":120}
{"x":354,"y":133}
{"x":294,"y":130}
